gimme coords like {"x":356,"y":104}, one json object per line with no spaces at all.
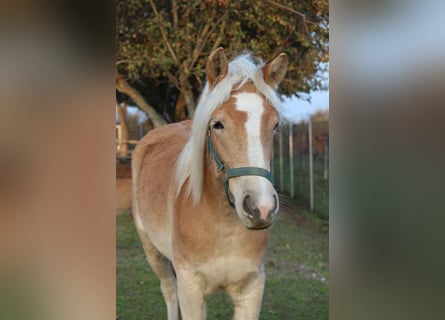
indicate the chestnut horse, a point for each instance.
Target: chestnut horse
{"x":203,"y":195}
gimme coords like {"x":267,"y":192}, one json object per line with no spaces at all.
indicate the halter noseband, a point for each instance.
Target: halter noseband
{"x":234,"y":172}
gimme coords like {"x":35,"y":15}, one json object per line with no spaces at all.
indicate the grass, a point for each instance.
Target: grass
{"x":296,"y":268}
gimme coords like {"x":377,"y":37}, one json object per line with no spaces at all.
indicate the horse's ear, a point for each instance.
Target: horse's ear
{"x":217,"y":66}
{"x":275,"y":70}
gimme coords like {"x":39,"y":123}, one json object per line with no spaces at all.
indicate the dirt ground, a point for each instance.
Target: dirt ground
{"x":123,"y":187}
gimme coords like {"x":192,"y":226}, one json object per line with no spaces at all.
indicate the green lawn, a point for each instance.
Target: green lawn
{"x":296,"y":268}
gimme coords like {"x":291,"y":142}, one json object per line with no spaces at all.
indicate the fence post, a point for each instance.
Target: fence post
{"x":303,"y":151}
{"x":119,"y":137}
{"x":311,"y":167}
{"x":291,"y":159}
{"x":326,"y":155}
{"x":281,"y":158}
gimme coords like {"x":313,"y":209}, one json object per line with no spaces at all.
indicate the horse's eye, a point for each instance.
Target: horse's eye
{"x":276,"y":126}
{"x":218,"y":125}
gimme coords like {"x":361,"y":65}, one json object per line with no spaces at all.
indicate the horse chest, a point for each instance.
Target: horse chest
{"x":213,"y":242}
{"x":227,"y":271}
{"x":225,"y":259}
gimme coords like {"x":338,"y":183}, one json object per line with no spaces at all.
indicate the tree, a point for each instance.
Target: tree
{"x":123,"y":86}
{"x":169,"y":41}
{"x":122,"y":150}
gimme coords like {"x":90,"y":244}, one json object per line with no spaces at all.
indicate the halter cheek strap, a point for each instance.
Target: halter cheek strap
{"x":234,"y":172}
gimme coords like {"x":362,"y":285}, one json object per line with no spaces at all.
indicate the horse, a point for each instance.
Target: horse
{"x":203,"y":197}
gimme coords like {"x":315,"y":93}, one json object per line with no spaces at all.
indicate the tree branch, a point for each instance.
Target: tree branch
{"x":221,"y":33}
{"x":175,"y":14}
{"x":299,"y":13}
{"x":201,"y":42}
{"x":123,"y":86}
{"x":161,"y":28}
{"x":172,"y":78}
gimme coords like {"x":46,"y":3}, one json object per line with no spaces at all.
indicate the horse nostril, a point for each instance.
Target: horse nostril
{"x":271,"y":213}
{"x":264,"y":212}
{"x":248,"y":205}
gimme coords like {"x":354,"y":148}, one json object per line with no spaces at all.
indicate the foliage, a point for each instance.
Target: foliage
{"x":169,"y":41}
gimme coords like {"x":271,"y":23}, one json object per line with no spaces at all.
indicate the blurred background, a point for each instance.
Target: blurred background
{"x":61,"y":63}
{"x":386,"y":164}
{"x":57,"y":166}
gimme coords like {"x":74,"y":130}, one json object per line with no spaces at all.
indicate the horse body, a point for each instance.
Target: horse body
{"x":195,"y":241}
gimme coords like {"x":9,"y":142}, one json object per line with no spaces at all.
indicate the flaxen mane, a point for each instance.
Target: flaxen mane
{"x":190,"y":164}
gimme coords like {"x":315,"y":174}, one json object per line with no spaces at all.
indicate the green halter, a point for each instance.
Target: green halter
{"x":234,"y":172}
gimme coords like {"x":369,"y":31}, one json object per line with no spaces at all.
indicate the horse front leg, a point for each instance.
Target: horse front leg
{"x":163,"y":268}
{"x":191,"y":288}
{"x":247,"y":297}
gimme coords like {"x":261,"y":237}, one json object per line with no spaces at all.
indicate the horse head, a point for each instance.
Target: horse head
{"x":240,"y":136}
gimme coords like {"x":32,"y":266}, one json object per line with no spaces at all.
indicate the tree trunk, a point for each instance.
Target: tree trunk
{"x":123,"y":139}
{"x":186,"y":90}
{"x":180,"y":113}
{"x":123,"y":86}
{"x":190,"y":102}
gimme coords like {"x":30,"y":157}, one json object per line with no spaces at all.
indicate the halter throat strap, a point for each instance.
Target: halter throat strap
{"x":234,"y":172}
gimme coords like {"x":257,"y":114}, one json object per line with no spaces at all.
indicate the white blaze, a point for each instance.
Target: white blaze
{"x":257,"y":187}
{"x":252,"y":104}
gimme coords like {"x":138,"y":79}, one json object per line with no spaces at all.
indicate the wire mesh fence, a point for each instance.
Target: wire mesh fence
{"x":301,"y":164}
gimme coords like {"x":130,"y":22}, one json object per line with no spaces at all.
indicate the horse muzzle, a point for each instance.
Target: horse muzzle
{"x":257,"y":215}
{"x":259,"y":206}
